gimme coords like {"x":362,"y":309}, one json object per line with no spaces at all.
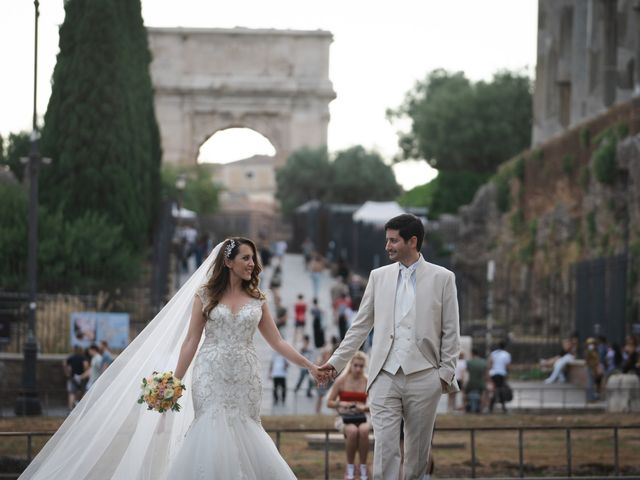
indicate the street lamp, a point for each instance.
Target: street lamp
{"x":28,"y":402}
{"x":181,"y":184}
{"x":488,"y":339}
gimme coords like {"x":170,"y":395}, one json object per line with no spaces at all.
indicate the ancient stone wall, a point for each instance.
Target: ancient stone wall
{"x":588,"y":60}
{"x":574,"y":198}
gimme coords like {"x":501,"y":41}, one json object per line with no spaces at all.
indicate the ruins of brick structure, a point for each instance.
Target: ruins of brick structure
{"x":561,"y":221}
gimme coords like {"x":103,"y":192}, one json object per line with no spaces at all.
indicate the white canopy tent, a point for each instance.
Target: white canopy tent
{"x":377,"y":213}
{"x":183,"y":213}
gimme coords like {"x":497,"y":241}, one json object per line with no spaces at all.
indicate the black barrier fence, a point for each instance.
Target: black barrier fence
{"x":616,"y":438}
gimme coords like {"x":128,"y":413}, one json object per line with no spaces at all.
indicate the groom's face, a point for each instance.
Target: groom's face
{"x":397,"y":249}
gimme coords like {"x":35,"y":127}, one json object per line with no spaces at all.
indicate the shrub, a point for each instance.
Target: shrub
{"x":85,"y":254}
{"x":604,"y":161}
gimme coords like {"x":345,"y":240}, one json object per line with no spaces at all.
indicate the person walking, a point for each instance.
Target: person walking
{"x":413,"y":306}
{"x":300,"y":316}
{"x":278,"y":373}
{"x":74,"y":366}
{"x":316,"y":267}
{"x":317,"y":324}
{"x":306,"y":352}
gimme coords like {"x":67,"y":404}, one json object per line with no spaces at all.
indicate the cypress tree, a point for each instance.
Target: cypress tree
{"x":100,"y":127}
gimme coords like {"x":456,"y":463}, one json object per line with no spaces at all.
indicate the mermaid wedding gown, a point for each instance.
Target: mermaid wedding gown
{"x":226,"y":439}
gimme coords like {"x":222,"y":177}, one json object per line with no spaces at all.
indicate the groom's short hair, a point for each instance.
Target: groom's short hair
{"x":408,"y":226}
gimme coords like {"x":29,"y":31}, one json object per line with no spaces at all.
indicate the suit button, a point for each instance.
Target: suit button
{"x":391,"y":336}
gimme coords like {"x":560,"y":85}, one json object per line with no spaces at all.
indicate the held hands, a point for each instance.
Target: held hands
{"x":328,"y":373}
{"x":322,"y":377}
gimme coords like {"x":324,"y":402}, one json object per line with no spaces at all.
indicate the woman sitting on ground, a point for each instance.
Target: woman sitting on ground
{"x":349,"y":397}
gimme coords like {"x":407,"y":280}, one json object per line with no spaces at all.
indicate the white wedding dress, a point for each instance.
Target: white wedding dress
{"x":216,"y":435}
{"x":226,"y":439}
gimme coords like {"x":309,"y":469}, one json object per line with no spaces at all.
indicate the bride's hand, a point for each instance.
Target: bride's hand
{"x":321,"y":377}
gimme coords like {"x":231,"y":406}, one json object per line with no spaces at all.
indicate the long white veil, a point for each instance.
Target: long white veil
{"x":109,"y":435}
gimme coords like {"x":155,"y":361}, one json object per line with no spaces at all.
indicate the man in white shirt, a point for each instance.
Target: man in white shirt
{"x":499,"y":361}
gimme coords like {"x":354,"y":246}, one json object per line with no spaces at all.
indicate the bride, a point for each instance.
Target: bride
{"x":217,"y":435}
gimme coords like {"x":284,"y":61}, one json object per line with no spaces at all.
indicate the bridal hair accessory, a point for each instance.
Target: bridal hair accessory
{"x":161,"y":392}
{"x":229,"y":248}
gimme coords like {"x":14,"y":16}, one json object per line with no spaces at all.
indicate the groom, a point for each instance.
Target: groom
{"x":413,"y":307}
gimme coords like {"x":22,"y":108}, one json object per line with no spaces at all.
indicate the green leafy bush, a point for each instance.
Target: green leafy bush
{"x":85,"y":254}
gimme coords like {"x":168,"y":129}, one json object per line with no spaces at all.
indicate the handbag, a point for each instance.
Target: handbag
{"x":357,"y":418}
{"x":506,"y":393}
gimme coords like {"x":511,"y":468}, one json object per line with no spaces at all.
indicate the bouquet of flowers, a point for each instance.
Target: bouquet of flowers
{"x":161,"y":391}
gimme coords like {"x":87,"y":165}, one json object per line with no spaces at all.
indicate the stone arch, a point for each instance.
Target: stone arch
{"x":275,"y":82}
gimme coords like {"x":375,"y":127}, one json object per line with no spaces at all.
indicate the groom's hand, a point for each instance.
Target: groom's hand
{"x":329,"y":371}
{"x":321,"y":377}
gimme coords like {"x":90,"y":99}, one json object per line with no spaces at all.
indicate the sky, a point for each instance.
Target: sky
{"x":379,"y":51}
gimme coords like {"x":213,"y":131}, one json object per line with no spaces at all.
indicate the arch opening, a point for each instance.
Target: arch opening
{"x":233,"y":144}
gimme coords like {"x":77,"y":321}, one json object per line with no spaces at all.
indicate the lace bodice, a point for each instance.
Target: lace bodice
{"x":226,"y":374}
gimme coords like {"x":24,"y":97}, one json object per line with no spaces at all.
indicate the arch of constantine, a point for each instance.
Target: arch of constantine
{"x":275,"y":82}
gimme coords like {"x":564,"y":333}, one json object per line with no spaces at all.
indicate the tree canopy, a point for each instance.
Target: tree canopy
{"x":359,"y":176}
{"x":459,"y":125}
{"x":200,"y":193}
{"x":353,"y":176}
{"x":307,"y":175}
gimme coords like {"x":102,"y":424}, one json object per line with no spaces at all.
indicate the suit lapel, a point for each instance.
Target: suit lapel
{"x":390,"y":286}
{"x":422,"y":273}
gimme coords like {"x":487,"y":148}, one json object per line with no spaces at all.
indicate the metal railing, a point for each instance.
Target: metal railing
{"x":473,"y":444}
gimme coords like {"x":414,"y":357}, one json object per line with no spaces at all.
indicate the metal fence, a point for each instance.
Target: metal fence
{"x":568,"y":433}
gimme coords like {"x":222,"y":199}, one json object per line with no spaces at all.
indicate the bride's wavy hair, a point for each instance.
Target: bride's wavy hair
{"x":219,"y":278}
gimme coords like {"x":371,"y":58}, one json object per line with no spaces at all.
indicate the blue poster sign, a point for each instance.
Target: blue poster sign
{"x":93,"y":327}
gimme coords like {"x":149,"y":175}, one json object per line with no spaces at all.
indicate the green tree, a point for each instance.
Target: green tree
{"x":420,"y":196}
{"x":307,"y":175}
{"x":458,"y":125}
{"x":84,"y":254}
{"x":17,"y":147}
{"x":359,"y":176}
{"x":100,"y":130}
{"x":200,"y":193}
{"x":465,"y":130}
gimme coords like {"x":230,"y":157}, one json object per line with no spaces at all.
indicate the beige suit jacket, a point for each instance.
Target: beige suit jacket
{"x":437,"y":329}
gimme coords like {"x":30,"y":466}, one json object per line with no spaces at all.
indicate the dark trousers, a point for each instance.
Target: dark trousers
{"x":498,"y":384}
{"x":279,"y":383}
{"x":304,"y":373}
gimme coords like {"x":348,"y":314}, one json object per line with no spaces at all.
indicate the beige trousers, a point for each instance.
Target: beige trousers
{"x":412,"y":397}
